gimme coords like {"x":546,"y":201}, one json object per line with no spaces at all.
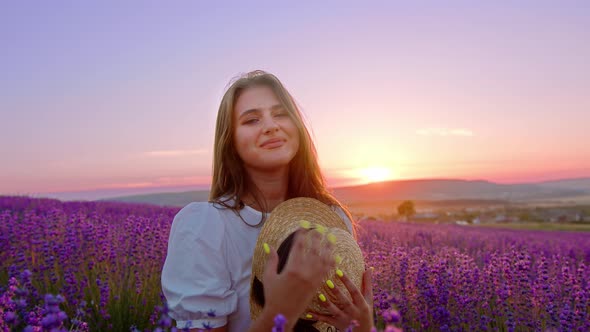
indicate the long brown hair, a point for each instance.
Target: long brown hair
{"x":230,"y":179}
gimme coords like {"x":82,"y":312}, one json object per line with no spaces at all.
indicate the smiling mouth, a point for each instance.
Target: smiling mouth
{"x":273,"y":145}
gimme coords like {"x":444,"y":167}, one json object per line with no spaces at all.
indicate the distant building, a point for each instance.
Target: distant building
{"x":562,"y":216}
{"x":500,"y":218}
{"x":426,"y":215}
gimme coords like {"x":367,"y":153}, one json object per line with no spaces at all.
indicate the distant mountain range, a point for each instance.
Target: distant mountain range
{"x":421,"y":190}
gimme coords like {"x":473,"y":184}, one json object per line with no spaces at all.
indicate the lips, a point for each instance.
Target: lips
{"x":272,"y":143}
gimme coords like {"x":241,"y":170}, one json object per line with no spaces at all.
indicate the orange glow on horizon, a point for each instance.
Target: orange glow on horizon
{"x":522,"y":172}
{"x":374,"y":174}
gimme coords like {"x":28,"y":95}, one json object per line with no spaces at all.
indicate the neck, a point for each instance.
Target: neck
{"x":273,"y":188}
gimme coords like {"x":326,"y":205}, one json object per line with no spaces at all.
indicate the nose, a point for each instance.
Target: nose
{"x":270,"y":125}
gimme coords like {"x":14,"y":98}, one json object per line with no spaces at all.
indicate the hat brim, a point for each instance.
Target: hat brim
{"x":284,"y":220}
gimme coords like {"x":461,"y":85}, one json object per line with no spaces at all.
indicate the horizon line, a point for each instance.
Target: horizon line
{"x":123,"y":191}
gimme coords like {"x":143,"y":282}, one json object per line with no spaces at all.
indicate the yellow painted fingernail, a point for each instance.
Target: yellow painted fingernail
{"x":322,"y":297}
{"x":372,"y":269}
{"x":332,"y":238}
{"x":308,"y":316}
{"x":321,"y":229}
{"x":266,"y":248}
{"x":305,"y":224}
{"x":339,"y":273}
{"x":338,"y":259}
{"x":330,"y":284}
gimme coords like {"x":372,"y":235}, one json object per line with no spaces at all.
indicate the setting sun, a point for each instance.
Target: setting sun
{"x":375,"y":174}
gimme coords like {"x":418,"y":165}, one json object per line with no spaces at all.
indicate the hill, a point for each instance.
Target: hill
{"x":434,"y":190}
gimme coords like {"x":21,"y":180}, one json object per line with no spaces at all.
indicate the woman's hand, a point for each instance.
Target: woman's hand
{"x":291,"y":291}
{"x":359,"y":309}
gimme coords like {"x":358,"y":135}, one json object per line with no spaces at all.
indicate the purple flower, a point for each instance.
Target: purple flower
{"x":352,"y":325}
{"x":9,"y":317}
{"x":391,"y":316}
{"x":280,"y":322}
{"x":439,"y":277}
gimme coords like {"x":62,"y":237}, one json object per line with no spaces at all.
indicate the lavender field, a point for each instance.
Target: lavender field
{"x":91,"y":266}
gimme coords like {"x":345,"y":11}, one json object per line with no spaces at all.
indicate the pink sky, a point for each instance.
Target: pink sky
{"x":492,"y":91}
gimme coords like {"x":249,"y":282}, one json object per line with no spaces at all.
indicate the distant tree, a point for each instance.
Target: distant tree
{"x":525,"y":216}
{"x":469,"y":217}
{"x":406,"y":209}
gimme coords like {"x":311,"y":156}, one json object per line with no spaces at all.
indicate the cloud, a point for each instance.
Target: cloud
{"x":444,"y":132}
{"x":174,"y":153}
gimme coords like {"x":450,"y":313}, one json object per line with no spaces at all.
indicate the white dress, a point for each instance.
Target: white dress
{"x":206,"y":275}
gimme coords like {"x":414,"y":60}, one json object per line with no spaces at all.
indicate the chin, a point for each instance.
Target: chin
{"x":273,"y":163}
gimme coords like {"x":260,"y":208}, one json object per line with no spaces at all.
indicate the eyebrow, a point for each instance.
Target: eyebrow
{"x":257,"y":110}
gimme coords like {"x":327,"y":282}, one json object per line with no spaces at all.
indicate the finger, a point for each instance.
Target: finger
{"x":270,"y":268}
{"x":301,"y":257}
{"x":357,"y":297}
{"x":333,"y":309}
{"x":327,"y":259}
{"x":341,"y":301}
{"x":368,"y":286}
{"x":324,"y":318}
{"x":327,"y":248}
{"x":298,"y":249}
{"x":316,"y":243}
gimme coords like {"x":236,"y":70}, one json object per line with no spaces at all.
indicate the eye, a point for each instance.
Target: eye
{"x":282,"y":113}
{"x":251,"y":121}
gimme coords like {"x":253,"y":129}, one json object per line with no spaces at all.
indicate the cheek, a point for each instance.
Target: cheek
{"x":243,"y":140}
{"x":291,"y":129}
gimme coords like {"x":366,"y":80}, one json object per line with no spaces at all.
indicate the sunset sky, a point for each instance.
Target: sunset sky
{"x":117,"y":94}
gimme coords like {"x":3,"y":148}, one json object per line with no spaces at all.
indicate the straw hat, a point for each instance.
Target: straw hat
{"x":285,"y":219}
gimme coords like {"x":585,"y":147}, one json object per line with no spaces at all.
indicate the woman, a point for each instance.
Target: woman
{"x":263,"y":155}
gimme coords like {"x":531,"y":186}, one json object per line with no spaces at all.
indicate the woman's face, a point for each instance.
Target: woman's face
{"x":265,"y":136}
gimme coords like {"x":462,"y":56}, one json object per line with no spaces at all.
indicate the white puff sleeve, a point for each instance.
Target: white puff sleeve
{"x":195,"y":278}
